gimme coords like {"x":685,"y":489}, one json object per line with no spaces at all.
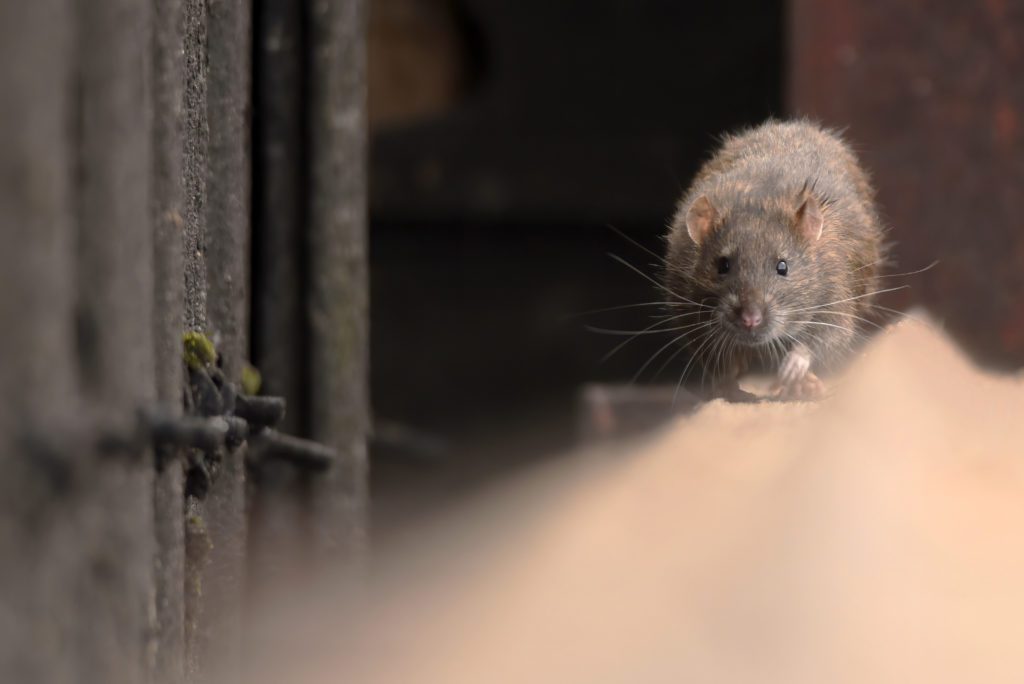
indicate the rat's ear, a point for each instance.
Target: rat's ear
{"x":809,"y":219}
{"x":701,"y":218}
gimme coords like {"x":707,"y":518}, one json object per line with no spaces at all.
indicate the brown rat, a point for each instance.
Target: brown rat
{"x":773,"y":256}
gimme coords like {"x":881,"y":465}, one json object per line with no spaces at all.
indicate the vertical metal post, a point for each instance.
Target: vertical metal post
{"x":114,"y":337}
{"x":37,"y":374}
{"x":226,"y":237}
{"x":337,"y":257}
{"x":167,"y":216}
{"x":194,"y":164}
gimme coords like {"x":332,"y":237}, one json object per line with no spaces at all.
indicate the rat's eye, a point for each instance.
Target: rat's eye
{"x":723,"y":265}
{"x":781,"y":268}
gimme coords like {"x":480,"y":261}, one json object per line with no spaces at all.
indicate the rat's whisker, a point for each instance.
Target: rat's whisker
{"x":850,"y":299}
{"x":901,"y":314}
{"x":621,"y":234}
{"x":620,"y":307}
{"x":852,"y":331}
{"x":708,"y":336}
{"x":692,"y":329}
{"x":683,"y":347}
{"x":636,"y":334}
{"x":664,"y":365}
{"x":717,"y":357}
{"x":910,"y":273}
{"x":720,"y":356}
{"x":651,"y":280}
{"x":849,"y":315}
{"x":778,"y":353}
{"x":645,"y":331}
{"x":710,"y":356}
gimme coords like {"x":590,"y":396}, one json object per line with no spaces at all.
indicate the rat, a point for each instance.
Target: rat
{"x":772,"y":258}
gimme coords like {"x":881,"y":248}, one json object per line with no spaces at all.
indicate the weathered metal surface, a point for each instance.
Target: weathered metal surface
{"x":167,"y":211}
{"x":194,"y":178}
{"x":338,"y":279}
{"x":197,"y":136}
{"x":934,"y":102}
{"x":309,"y":277}
{"x":114,"y":326}
{"x":226,"y":237}
{"x":37,"y":374}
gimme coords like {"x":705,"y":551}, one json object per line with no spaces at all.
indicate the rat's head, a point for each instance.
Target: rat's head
{"x":756,"y":264}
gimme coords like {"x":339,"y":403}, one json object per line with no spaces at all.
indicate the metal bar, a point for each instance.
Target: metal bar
{"x":338,"y":283}
{"x":196,"y":139}
{"x":37,"y":376}
{"x":218,"y":622}
{"x":167,"y":215}
{"x":114,"y":337}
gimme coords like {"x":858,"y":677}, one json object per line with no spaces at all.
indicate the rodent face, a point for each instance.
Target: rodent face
{"x":756,"y":273}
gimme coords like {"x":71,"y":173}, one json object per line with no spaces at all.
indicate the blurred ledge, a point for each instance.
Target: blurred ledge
{"x":619,"y":411}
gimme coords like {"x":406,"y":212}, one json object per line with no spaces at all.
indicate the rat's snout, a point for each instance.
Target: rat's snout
{"x":750,"y":316}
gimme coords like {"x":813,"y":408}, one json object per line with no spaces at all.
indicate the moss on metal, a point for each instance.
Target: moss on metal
{"x":199,"y":350}
{"x":252,"y":379}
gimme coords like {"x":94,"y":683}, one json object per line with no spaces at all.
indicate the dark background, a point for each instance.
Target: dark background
{"x":507,"y":137}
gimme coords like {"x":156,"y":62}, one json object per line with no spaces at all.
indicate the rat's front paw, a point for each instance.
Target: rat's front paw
{"x":807,"y":388}
{"x":795,"y":366}
{"x":796,"y":382}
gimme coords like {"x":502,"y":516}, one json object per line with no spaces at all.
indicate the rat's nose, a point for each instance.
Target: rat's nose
{"x":750,"y":317}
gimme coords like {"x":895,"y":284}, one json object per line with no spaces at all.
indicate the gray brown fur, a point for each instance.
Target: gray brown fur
{"x":757,"y":181}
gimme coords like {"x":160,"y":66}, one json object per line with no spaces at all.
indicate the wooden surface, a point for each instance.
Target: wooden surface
{"x":871,"y":537}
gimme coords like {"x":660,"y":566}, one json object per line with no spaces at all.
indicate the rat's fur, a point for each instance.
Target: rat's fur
{"x":757,"y":182}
